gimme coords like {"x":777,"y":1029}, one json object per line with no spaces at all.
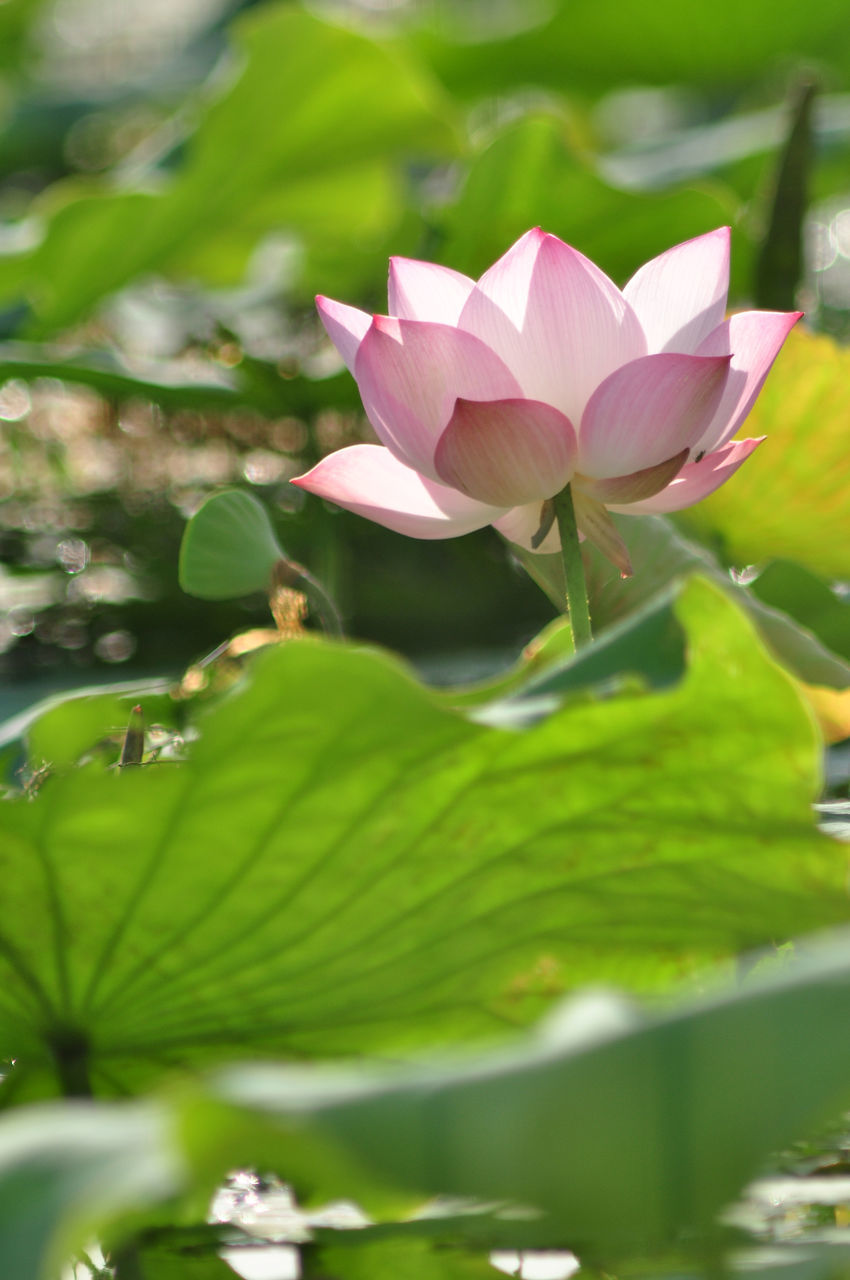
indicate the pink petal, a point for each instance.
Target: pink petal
{"x":555,"y":319}
{"x":521,"y":525}
{"x":631,"y":488}
{"x":696,"y":480}
{"x":680,"y":296}
{"x":345,"y":326}
{"x":754,"y":339}
{"x":506,"y":452}
{"x":648,"y":411}
{"x":368,"y":480}
{"x":410,"y":374}
{"x":597,"y":526}
{"x":424,"y":291}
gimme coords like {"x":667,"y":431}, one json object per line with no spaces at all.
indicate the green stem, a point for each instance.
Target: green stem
{"x":577,"y":606}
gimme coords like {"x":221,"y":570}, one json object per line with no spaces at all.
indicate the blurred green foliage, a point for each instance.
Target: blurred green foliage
{"x":347,"y":861}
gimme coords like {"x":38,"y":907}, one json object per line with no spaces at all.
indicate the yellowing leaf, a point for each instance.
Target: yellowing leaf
{"x":792,"y":498}
{"x":831,"y":708}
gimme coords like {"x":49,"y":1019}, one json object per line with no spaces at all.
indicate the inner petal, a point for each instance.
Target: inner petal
{"x":637,"y":485}
{"x":506,"y":452}
{"x":555,"y":319}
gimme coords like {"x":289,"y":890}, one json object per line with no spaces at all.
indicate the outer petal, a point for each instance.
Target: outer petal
{"x":345,"y":326}
{"x":506,"y":452}
{"x":521,"y":524}
{"x":648,"y":411}
{"x":411,"y":373}
{"x":680,"y":296}
{"x":597,"y":526}
{"x":754,"y":339}
{"x":368,"y":480}
{"x":640,"y":484}
{"x":696,"y":480}
{"x":424,"y":291}
{"x":555,"y":319}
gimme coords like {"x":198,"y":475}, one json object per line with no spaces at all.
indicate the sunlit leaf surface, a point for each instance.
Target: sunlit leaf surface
{"x":344,"y":865}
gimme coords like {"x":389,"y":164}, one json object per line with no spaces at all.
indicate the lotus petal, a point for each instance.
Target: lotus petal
{"x":506,"y":452}
{"x":425,"y":291}
{"x":696,"y":480}
{"x":522,"y":524}
{"x":754,"y":340}
{"x":410,"y":374}
{"x":368,"y":480}
{"x":345,"y":326}
{"x":555,"y":319}
{"x":680,"y":296}
{"x":634,"y":487}
{"x":648,"y":411}
{"x":597,"y":526}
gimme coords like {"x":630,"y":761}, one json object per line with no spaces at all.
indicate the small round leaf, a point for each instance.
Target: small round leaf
{"x":229,"y":548}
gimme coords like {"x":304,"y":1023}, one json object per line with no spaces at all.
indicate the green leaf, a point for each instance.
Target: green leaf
{"x":160,"y":1263}
{"x":660,"y":557}
{"x":792,"y":499}
{"x":308,"y":99}
{"x":600,"y":46}
{"x":229,"y":548}
{"x":344,"y":865}
{"x":66,"y":1171}
{"x":791,"y":588}
{"x":252,"y":382}
{"x":529,"y":175}
{"x":629,"y":1128}
{"x":779,"y":266}
{"x":399,"y":1259}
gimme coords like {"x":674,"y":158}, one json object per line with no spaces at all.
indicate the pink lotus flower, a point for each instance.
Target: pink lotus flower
{"x":490,"y":397}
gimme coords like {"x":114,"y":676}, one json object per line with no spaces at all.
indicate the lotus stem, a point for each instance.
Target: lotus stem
{"x":578,"y":609}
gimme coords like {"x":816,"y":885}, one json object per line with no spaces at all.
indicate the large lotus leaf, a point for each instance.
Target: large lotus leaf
{"x":306,"y":99}
{"x":345,"y":865}
{"x":792,"y":498}
{"x":66,"y":1170}
{"x":529,"y":174}
{"x":630,"y":1129}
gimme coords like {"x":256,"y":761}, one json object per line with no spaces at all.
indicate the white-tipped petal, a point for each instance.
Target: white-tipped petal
{"x":368,"y":480}
{"x":555,"y":319}
{"x":425,"y":291}
{"x":410,"y":374}
{"x":754,"y":340}
{"x":647,"y":411}
{"x":345,"y":326}
{"x":506,"y":452}
{"x":680,"y":296}
{"x":696,"y":480}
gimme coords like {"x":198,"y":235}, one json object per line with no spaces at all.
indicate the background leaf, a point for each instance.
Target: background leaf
{"x":631,"y":1130}
{"x":531,"y":175}
{"x":65,"y":1171}
{"x":306,"y":99}
{"x":229,"y":548}
{"x":793,"y":497}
